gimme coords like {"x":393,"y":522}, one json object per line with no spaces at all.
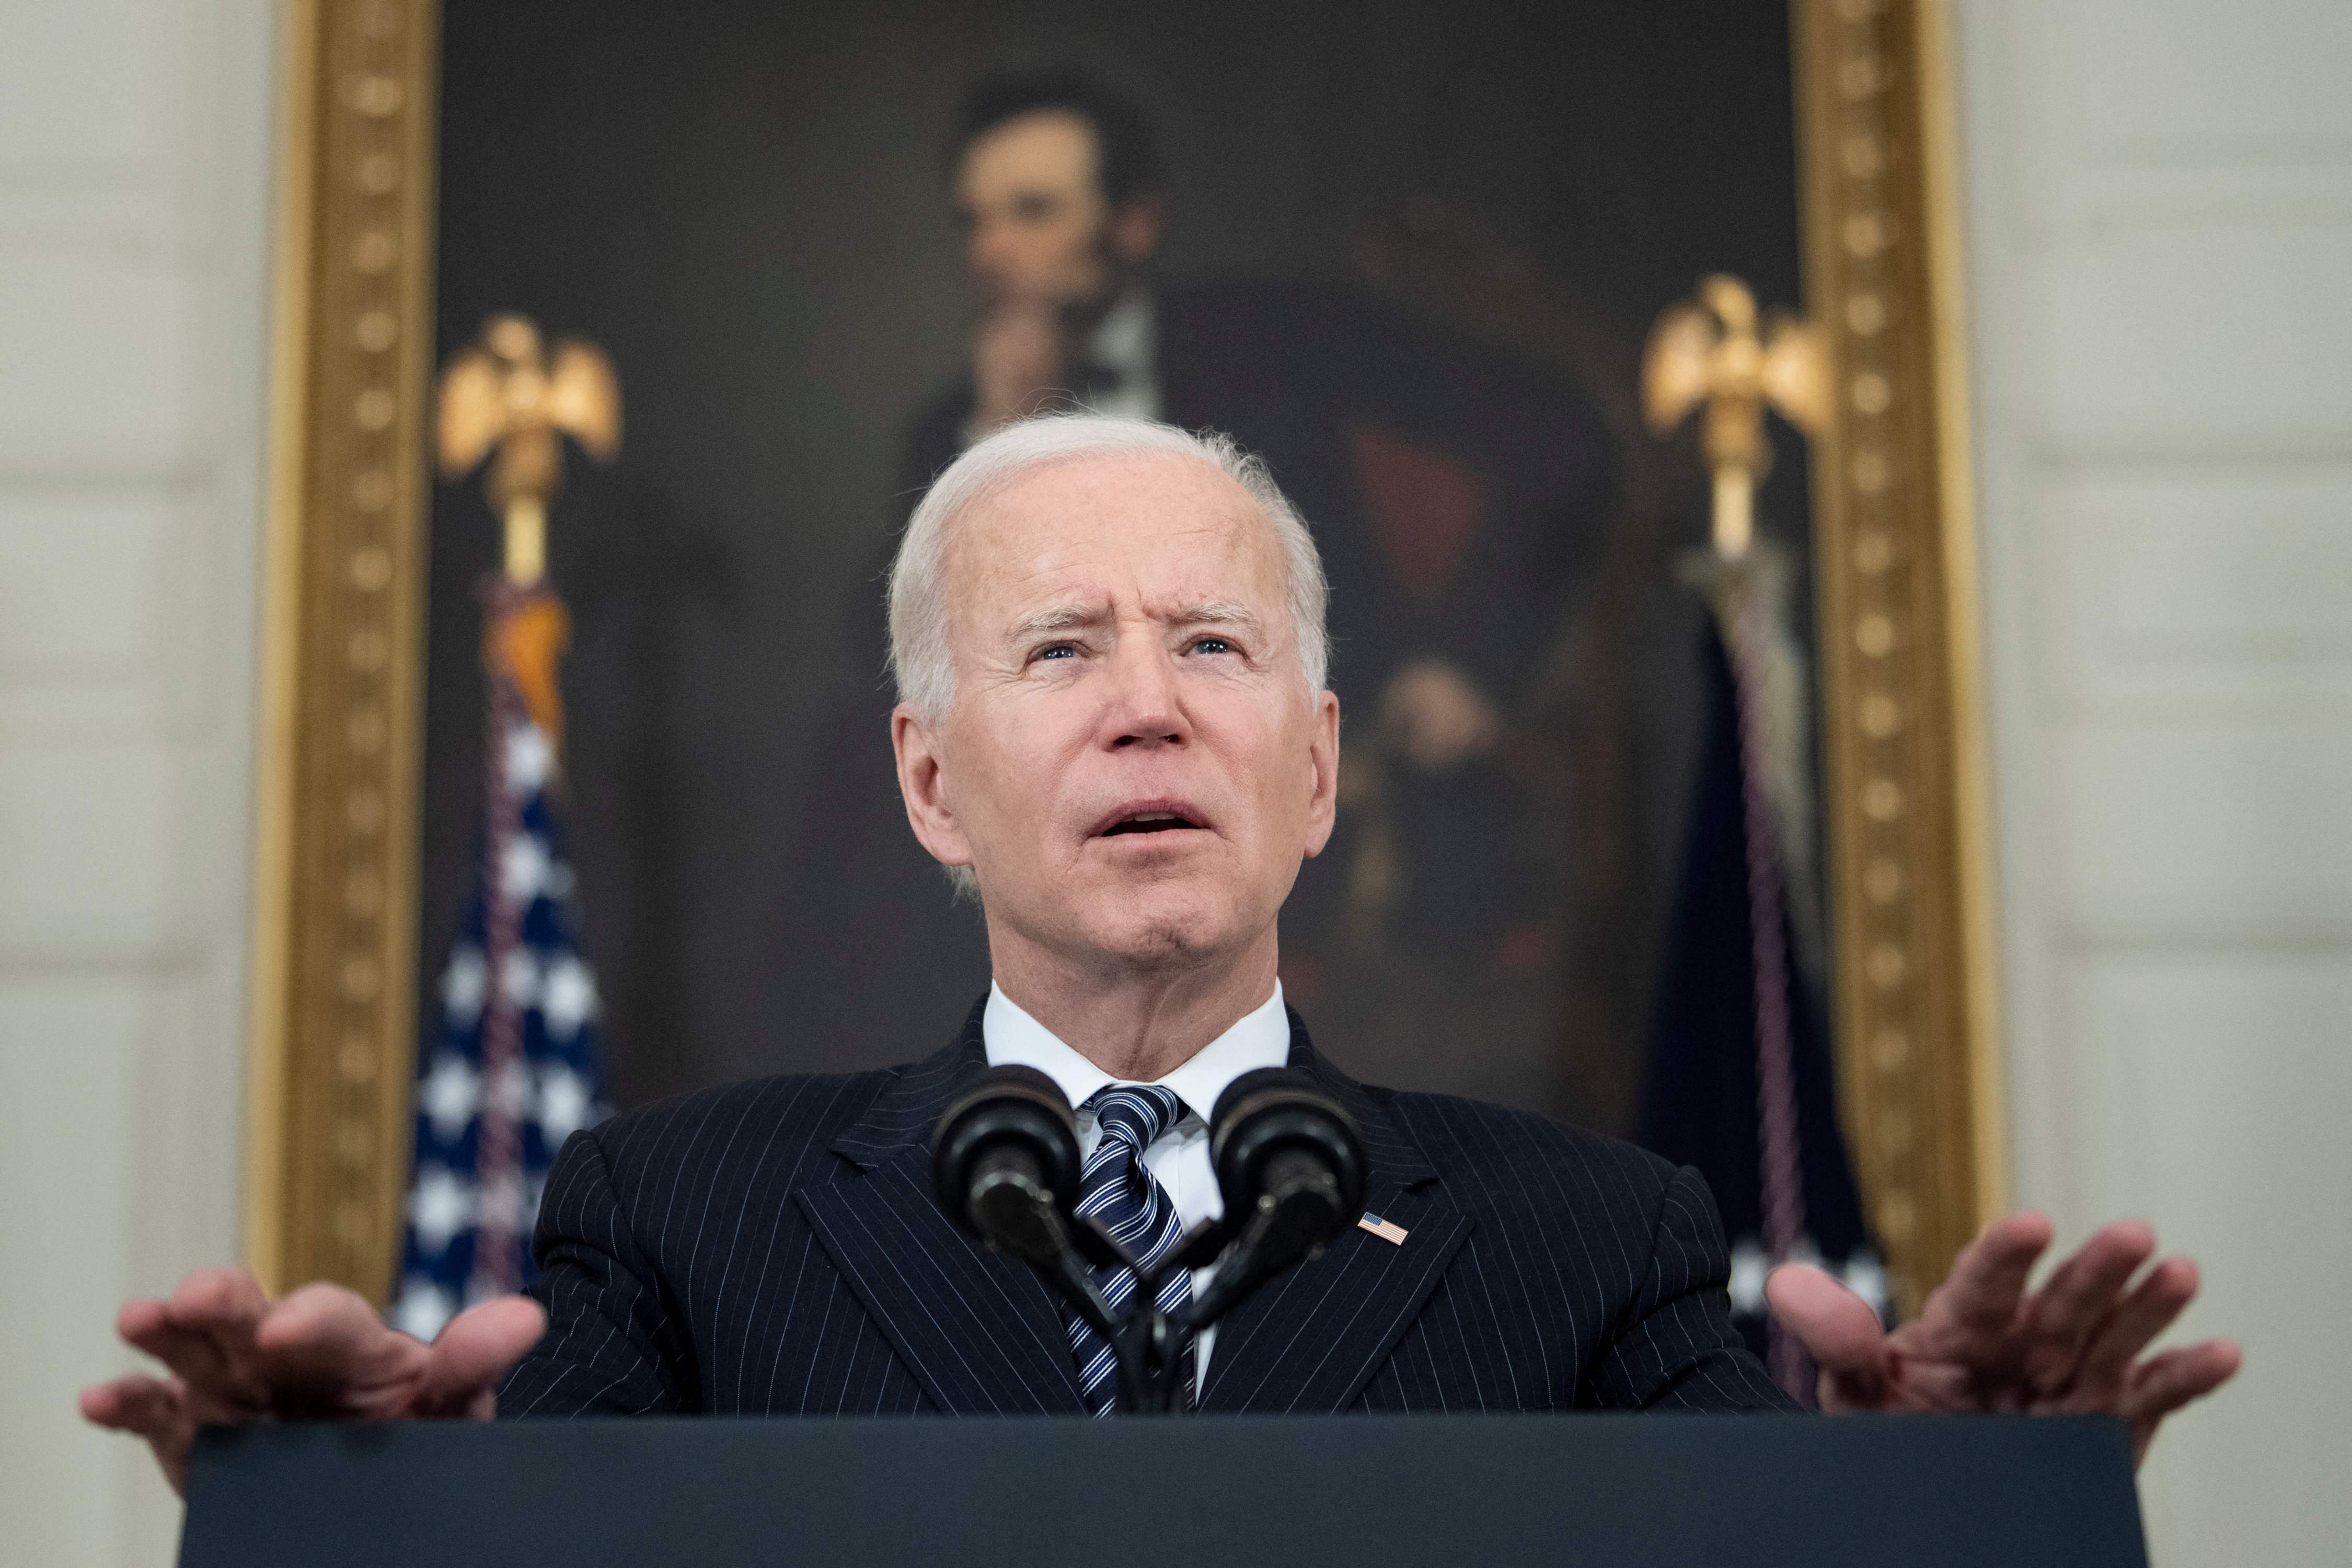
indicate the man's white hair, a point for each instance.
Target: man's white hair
{"x":920,"y":661}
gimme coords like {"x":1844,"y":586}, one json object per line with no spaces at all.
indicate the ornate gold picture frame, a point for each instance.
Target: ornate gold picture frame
{"x":333,"y":1026}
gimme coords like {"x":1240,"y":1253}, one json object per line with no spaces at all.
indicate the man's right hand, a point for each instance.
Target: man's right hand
{"x":320,"y":1353}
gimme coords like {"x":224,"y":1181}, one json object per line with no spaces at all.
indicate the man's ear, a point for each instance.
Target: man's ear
{"x":1323,"y":758}
{"x":923,"y":785}
{"x":1135,"y":229}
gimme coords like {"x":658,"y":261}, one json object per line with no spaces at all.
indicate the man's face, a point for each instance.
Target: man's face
{"x":1132,"y":765}
{"x":1029,"y":196}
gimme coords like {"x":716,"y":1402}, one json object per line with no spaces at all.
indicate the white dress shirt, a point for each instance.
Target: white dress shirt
{"x":1179,"y":1161}
{"x":1127,"y":341}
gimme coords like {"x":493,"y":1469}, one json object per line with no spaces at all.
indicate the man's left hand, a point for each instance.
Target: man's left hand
{"x":1986,"y":1343}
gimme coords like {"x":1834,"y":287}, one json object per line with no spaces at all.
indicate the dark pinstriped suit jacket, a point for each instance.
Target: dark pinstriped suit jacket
{"x":773,"y":1249}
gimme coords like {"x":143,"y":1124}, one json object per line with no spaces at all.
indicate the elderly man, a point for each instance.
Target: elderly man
{"x":1109,"y":640}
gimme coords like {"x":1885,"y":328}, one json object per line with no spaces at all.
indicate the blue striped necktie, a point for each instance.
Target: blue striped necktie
{"x":1117,"y":1189}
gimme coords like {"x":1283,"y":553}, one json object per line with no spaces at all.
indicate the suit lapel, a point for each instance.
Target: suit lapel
{"x":983,"y":1335}
{"x":1311,"y":1338}
{"x":977,"y":1329}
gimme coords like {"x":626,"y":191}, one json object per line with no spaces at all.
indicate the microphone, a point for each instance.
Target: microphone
{"x":1005,"y":1163}
{"x":1290,"y":1163}
{"x":1004,"y":1166}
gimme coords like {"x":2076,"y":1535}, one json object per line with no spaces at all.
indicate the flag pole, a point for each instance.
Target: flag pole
{"x":515,"y":997}
{"x":1712,"y":355}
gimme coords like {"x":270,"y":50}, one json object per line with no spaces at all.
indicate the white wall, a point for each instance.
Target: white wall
{"x":2160,"y":243}
{"x":134,"y":151}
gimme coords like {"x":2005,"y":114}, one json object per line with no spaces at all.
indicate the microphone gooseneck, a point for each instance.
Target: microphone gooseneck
{"x":1290,"y":1164}
{"x":1288,"y":1160}
{"x":1006,"y":1167}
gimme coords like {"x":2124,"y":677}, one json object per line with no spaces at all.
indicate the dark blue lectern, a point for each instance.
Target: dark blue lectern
{"x":1187,"y":1493}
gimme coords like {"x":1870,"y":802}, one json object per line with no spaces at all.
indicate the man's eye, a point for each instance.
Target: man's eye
{"x":1212,"y":644}
{"x":1058,"y":650}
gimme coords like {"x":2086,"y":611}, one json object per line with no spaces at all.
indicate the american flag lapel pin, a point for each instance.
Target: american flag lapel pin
{"x":1387,"y":1230}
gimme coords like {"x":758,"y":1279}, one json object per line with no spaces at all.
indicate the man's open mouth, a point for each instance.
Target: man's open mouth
{"x":1153,"y":819}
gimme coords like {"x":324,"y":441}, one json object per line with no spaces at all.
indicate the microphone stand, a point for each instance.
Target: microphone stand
{"x":1145,"y":1343}
{"x":1288,"y":1157}
{"x":1289,"y":1221}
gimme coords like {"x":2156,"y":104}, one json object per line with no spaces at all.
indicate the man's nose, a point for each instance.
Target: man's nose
{"x":1146,"y":708}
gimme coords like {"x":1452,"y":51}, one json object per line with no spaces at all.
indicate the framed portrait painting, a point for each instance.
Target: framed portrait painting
{"x":1411,"y":256}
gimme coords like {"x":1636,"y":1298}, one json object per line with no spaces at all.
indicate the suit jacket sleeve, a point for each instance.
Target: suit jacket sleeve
{"x":612,"y":1347}
{"x":1674,"y":1347}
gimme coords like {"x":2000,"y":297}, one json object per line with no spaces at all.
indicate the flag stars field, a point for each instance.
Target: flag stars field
{"x":463,"y":1214}
{"x":464,"y":984}
{"x":442,"y":1206}
{"x":568,"y":998}
{"x":449,"y":1095}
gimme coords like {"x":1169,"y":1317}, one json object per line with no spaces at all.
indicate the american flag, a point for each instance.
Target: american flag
{"x":510,"y":1071}
{"x":1740,"y":1082}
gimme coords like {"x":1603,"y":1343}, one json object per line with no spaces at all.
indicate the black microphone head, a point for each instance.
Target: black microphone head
{"x":1012,"y":1115}
{"x":1281,"y":1114}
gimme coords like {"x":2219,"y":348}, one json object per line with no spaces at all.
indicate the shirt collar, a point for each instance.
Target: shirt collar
{"x":1261,"y":1039}
{"x":1124,"y":339}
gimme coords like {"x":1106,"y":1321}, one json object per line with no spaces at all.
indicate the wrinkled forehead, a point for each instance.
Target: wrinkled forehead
{"x":1150,"y":529}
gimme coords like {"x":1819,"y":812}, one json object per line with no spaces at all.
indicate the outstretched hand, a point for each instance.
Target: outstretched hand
{"x":319,"y":1353}
{"x":1985,"y":1343}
